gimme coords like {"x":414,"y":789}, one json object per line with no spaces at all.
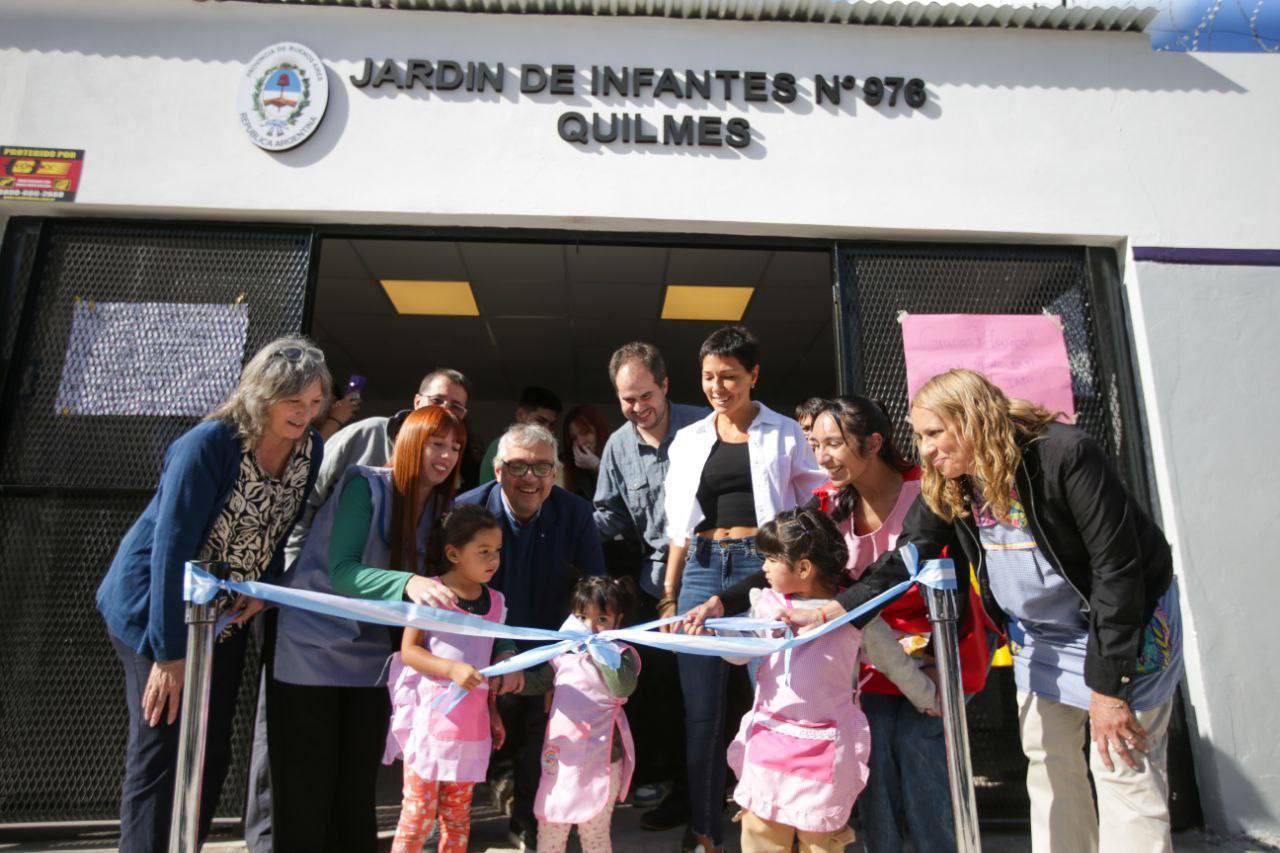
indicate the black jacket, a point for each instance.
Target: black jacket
{"x":1086,"y":525}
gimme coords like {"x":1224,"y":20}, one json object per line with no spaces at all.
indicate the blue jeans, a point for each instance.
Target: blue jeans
{"x":712,"y":567}
{"x":907,"y":788}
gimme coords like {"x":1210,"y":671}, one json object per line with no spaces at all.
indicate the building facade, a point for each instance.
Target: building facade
{"x":1062,"y":158}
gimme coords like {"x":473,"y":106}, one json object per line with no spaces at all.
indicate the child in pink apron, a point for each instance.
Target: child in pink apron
{"x":445,"y":754}
{"x":801,"y":753}
{"x":588,"y":755}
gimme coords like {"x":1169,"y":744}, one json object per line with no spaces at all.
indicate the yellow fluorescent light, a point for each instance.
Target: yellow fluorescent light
{"x":445,"y":298}
{"x":695,"y":302}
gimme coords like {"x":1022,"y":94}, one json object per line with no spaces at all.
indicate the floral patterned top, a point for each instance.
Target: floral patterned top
{"x":258,"y":513}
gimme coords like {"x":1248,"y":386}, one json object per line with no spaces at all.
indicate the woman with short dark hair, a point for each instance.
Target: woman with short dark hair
{"x":730,"y":472}
{"x":230,"y":490}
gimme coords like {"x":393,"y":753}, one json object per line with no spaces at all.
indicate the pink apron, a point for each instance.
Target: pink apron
{"x":452,"y":748}
{"x":576,"y":754}
{"x":801,"y":754}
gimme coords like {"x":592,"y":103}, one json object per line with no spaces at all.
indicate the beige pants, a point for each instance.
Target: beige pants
{"x":1133,"y":810}
{"x":766,"y":836}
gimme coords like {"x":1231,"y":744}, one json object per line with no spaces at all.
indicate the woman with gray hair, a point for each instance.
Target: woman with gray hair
{"x":230,"y":490}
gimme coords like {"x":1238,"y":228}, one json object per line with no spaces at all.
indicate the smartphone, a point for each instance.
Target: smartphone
{"x":355,"y":385}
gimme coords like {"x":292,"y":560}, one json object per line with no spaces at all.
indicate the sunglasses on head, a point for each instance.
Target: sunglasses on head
{"x":293,"y":355}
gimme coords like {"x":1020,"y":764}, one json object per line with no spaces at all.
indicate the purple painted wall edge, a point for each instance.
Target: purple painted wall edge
{"x":1218,"y":257}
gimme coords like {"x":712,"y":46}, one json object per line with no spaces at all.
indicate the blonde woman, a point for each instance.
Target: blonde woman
{"x":1083,"y":581}
{"x":230,"y":490}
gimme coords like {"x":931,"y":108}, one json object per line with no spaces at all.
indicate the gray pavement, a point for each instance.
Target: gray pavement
{"x":489,"y":833}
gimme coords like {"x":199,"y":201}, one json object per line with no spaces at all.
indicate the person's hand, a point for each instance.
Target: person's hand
{"x":430,"y":592}
{"x":1115,"y":727}
{"x":345,"y":409}
{"x":800,"y":619}
{"x":243,"y":608}
{"x":465,"y":675}
{"x":164,"y":687}
{"x":512,"y":682}
{"x":712,"y":608}
{"x":585,"y":459}
{"x":667,"y":606}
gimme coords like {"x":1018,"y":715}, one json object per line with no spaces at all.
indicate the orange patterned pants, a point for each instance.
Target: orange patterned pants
{"x":423,"y":802}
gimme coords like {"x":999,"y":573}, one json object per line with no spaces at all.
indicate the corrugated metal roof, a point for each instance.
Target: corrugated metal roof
{"x":1121,"y":18}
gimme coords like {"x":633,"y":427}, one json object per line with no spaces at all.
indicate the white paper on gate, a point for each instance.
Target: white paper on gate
{"x":151,"y":358}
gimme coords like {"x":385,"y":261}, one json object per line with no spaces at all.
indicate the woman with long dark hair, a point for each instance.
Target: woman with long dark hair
{"x":581,"y":446}
{"x":1082,"y":579}
{"x":230,"y":491}
{"x":872,"y":486}
{"x":327,"y":703}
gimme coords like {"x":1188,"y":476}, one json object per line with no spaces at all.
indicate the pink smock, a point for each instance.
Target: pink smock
{"x":577,"y":751}
{"x":801,"y":753}
{"x":441,"y":747}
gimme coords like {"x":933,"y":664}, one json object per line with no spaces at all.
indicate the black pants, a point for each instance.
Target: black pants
{"x":525,"y":718}
{"x":151,"y":753}
{"x":257,"y":807}
{"x":325,"y":745}
{"x":656,"y":712}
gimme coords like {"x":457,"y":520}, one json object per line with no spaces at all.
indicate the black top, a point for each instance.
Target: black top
{"x":725,"y":491}
{"x":478,"y":606}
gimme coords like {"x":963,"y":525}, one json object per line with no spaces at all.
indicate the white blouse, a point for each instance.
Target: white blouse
{"x":783,"y":470}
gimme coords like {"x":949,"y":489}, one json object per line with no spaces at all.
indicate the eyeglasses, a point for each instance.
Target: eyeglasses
{"x":293,"y":355}
{"x":541,"y":470}
{"x":452,"y":405}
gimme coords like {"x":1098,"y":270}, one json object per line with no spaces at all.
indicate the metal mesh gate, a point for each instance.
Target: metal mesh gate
{"x":878,"y":282}
{"x":882,"y":281}
{"x":70,"y":486}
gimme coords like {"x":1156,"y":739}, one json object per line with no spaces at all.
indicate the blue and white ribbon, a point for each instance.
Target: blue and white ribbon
{"x":200,"y":587}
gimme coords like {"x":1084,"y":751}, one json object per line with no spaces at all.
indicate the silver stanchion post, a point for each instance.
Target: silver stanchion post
{"x":184,"y":828}
{"x":944,"y":613}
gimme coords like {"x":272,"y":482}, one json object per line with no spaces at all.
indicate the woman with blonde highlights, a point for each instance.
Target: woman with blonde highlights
{"x":1081,"y":579}
{"x":230,"y":490}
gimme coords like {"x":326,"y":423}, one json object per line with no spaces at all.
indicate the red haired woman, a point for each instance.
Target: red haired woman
{"x":585,"y":432}
{"x":327,"y":701}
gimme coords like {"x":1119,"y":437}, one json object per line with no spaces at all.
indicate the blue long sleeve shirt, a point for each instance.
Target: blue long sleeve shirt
{"x":543,"y":559}
{"x":141,"y":596}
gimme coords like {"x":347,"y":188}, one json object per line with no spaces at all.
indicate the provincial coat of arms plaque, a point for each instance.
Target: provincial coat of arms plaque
{"x":282,"y":96}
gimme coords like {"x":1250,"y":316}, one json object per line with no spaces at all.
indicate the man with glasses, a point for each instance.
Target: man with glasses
{"x":366,"y":442}
{"x":549,"y":540}
{"x":536,"y":406}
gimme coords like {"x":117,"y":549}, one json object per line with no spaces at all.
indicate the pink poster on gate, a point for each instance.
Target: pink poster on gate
{"x":1025,"y":354}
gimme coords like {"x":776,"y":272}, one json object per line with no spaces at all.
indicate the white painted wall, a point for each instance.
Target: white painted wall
{"x":1044,"y":136}
{"x":1214,"y":362}
{"x":1035,"y":133}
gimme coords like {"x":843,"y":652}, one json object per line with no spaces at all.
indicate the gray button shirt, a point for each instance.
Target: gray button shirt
{"x":628,"y":498}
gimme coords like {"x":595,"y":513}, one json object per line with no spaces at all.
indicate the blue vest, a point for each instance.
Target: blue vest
{"x":325,"y":651}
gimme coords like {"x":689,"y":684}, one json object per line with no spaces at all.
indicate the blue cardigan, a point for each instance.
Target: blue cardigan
{"x":141,"y":596}
{"x":540,"y":567}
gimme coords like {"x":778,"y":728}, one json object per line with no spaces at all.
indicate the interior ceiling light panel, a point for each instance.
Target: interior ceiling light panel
{"x":440,"y":298}
{"x":705,"y":302}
